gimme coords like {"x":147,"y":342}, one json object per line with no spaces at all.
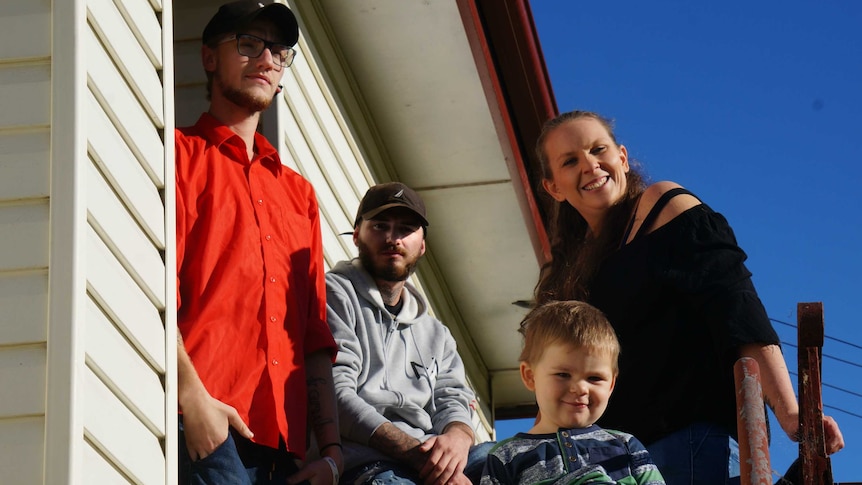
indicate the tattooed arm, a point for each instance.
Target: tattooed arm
{"x":322,"y":418}
{"x":402,"y":447}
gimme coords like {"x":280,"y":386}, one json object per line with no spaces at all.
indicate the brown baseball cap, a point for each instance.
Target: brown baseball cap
{"x":234,"y":16}
{"x":386,"y":196}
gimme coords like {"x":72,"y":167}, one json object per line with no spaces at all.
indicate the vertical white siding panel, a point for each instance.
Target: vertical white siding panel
{"x":67,"y":289}
{"x":24,"y":169}
{"x":124,"y":110}
{"x":123,"y":300}
{"x":22,"y":450}
{"x":25,"y":236}
{"x":145,"y":26}
{"x":129,"y":352}
{"x":117,"y":363}
{"x":118,"y":435}
{"x":23,"y":308}
{"x":170,"y":444}
{"x":98,"y":470}
{"x":125,"y":174}
{"x":25,"y":19}
{"x":126,"y":240}
{"x":22,"y":375}
{"x":129,"y":56}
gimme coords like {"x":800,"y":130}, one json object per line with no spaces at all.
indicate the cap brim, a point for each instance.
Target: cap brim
{"x":370,"y":214}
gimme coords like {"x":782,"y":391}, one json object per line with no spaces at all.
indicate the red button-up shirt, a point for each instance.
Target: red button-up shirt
{"x":250,"y":287}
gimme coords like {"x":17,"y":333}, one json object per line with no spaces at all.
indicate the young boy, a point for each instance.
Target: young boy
{"x":570,"y":362}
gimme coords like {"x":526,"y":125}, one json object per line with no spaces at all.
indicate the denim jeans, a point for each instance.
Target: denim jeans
{"x":237,"y":461}
{"x":701,"y":454}
{"x":391,"y":473}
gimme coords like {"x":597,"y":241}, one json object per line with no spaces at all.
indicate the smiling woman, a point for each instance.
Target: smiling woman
{"x":668,"y":273}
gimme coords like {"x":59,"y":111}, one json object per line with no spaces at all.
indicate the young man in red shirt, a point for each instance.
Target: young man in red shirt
{"x":255,"y":352}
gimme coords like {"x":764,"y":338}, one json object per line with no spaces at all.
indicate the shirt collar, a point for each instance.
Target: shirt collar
{"x":217,"y":133}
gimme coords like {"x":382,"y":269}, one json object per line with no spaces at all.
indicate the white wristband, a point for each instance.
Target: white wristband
{"x":332,"y":467}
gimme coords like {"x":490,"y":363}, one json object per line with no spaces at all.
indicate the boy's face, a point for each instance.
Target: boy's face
{"x":572,"y":386}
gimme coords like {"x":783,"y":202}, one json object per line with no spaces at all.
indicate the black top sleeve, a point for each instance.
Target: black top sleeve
{"x":682,"y":303}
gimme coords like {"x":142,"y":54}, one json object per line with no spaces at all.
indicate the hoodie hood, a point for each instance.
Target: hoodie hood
{"x":412,"y":310}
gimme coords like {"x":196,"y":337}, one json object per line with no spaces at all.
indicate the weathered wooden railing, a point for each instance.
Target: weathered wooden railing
{"x":815,"y":465}
{"x":754,"y":465}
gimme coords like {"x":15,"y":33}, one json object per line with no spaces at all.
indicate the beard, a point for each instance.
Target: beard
{"x":391,"y":272}
{"x":245,"y":99}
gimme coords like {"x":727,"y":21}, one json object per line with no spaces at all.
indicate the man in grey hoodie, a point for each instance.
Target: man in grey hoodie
{"x":403,"y":399}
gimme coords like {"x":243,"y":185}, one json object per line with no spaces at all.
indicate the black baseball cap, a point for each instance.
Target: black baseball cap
{"x":386,"y":196}
{"x":234,"y":16}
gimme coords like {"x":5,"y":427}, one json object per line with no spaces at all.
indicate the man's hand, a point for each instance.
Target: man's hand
{"x":447,"y":456}
{"x":206,"y":421}
{"x":317,"y":472}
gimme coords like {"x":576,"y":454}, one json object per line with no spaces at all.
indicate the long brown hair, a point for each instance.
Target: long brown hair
{"x":577,"y":253}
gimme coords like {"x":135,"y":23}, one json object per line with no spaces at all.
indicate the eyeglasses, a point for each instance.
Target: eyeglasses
{"x":252,"y":46}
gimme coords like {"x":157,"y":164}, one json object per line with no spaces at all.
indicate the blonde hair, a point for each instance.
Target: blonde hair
{"x":569,"y":322}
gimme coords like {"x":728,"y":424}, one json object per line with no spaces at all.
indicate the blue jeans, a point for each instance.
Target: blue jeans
{"x":391,"y":473}
{"x":701,"y":454}
{"x":237,"y":461}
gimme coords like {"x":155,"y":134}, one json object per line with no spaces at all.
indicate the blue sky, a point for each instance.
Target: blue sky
{"x":755,"y":107}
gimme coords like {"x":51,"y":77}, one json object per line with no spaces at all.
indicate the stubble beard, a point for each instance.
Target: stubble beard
{"x":386,"y":272}
{"x":245,"y":98}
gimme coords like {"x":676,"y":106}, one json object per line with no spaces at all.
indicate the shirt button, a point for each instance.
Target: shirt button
{"x":573,"y":458}
{"x":568,"y":444}
{"x":271,"y":319}
{"x":274,"y":362}
{"x":268,"y":237}
{"x":565,"y":434}
{"x":272,"y":279}
{"x":260,"y":201}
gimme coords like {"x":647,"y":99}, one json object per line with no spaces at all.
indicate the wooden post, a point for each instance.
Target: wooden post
{"x":816,"y":466}
{"x":751,"y":424}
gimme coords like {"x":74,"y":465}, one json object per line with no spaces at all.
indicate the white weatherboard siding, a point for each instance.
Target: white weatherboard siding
{"x":25,"y":87}
{"x":126,"y":411}
{"x":86,"y":153}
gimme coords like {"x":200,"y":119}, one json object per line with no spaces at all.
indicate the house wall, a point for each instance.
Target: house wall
{"x":84,"y":222}
{"x":25,"y":110}
{"x":126,"y":333}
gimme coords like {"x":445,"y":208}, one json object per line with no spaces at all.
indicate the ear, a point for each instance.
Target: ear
{"x":422,"y":249}
{"x":624,"y":154}
{"x":551,"y":189}
{"x":356,"y":234}
{"x":613,"y":383}
{"x":528,"y":377}
{"x":208,"y":58}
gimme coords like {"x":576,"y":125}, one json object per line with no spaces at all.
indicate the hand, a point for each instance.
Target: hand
{"x":446,"y":457}
{"x":832,"y":435}
{"x":317,"y":472}
{"x":206,"y":422}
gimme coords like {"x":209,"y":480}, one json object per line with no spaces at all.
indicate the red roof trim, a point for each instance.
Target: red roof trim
{"x":505,"y":34}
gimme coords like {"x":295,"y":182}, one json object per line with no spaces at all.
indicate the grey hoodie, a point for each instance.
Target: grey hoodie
{"x":403,"y":369}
